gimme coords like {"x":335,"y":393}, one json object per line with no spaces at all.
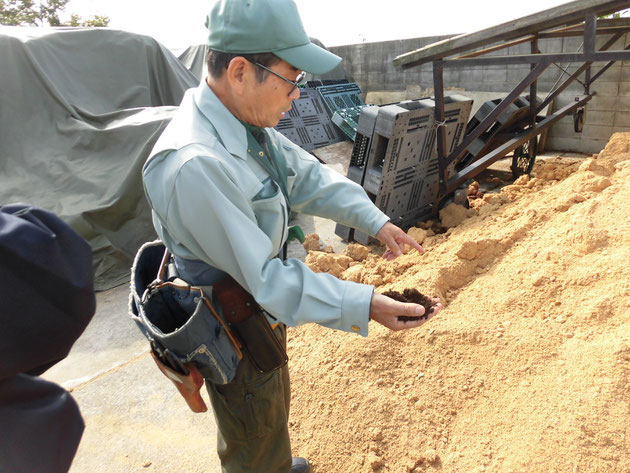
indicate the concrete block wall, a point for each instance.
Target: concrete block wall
{"x":370,"y":65}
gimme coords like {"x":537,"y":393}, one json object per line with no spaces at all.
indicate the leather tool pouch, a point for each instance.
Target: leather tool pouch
{"x":247,"y":320}
{"x":188,"y":382}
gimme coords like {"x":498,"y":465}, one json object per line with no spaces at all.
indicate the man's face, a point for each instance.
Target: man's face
{"x":268,"y":101}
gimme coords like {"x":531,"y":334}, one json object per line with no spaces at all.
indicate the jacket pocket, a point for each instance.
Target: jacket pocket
{"x":268,"y":207}
{"x":291,"y":175}
{"x":268,"y":191}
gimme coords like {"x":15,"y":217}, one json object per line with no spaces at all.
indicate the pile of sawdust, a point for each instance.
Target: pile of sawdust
{"x":526,"y":369}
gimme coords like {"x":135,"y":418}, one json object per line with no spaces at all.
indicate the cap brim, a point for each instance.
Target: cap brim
{"x":310,"y":58}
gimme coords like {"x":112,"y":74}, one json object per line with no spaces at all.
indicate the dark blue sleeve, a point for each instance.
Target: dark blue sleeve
{"x":46,"y":289}
{"x":41,"y":426}
{"x":46,"y":301}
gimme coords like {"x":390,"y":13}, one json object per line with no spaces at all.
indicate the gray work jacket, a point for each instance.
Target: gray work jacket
{"x":213,"y":202}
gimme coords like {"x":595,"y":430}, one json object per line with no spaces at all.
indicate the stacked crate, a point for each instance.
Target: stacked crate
{"x":308,"y":123}
{"x":395,"y":158}
{"x":515,"y":113}
{"x":340,"y":96}
{"x":347,"y":119}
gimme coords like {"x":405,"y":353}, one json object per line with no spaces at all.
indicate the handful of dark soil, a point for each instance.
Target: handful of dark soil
{"x":415,"y":297}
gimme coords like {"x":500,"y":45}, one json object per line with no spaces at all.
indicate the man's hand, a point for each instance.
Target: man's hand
{"x":395,"y":239}
{"x":386,"y":310}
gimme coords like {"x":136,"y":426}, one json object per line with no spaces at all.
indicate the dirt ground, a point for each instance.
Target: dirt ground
{"x":526,"y":369}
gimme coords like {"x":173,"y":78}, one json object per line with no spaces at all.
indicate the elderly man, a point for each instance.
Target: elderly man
{"x":222,"y":183}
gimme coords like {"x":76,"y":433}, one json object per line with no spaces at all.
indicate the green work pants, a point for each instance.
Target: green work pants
{"x":252,"y":415}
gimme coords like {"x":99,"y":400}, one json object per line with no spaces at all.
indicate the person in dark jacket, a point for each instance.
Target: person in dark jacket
{"x":46,"y":301}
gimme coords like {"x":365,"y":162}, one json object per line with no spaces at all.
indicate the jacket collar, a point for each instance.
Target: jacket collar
{"x":231,"y":132}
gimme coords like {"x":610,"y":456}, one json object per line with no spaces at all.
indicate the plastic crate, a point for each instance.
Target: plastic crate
{"x":308,"y":124}
{"x":401,"y":172}
{"x":347,"y":119}
{"x":340,"y":96}
{"x":358,"y":158}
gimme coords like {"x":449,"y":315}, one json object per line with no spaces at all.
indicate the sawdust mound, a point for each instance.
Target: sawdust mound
{"x":527,"y":368}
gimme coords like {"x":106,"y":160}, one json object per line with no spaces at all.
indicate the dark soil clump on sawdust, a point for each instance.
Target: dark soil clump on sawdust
{"x":415,"y":297}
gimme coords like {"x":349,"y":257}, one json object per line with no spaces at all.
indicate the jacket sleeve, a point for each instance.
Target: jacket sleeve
{"x":321,"y":191}
{"x":209,"y":215}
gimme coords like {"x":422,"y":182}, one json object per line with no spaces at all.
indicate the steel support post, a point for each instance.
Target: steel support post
{"x":590,"y":31}
{"x":438,"y":87}
{"x":533,"y":99}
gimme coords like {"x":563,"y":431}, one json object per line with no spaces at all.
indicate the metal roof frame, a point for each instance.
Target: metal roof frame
{"x":577,"y":18}
{"x":569,"y":14}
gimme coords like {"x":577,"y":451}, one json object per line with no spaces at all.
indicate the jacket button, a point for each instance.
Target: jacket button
{"x":356,"y":328}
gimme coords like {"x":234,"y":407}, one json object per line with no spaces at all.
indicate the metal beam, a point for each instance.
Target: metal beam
{"x":605,"y":22}
{"x":605,"y":68}
{"x":580,"y":32}
{"x":552,"y":95}
{"x":498,"y":47}
{"x":522,"y":40}
{"x":561,"y":15}
{"x":538,"y":58}
{"x":482,"y":163}
{"x":559,"y":33}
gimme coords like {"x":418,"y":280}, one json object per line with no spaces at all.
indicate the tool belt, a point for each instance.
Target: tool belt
{"x":190,"y":339}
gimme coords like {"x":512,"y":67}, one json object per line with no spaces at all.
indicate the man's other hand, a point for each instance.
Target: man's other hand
{"x":386,"y":311}
{"x":395,"y":239}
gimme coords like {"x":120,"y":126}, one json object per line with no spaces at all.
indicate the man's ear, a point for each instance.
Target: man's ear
{"x":238,"y":74}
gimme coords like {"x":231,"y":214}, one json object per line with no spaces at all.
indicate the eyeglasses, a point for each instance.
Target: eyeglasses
{"x":295,"y":83}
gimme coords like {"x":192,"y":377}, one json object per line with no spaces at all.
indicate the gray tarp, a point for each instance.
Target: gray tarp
{"x":194,"y":58}
{"x":80,"y":110}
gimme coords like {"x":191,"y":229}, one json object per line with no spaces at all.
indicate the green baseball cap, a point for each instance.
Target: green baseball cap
{"x":266,"y":26}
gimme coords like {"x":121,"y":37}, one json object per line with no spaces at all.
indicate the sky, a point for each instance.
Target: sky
{"x":333,"y":22}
